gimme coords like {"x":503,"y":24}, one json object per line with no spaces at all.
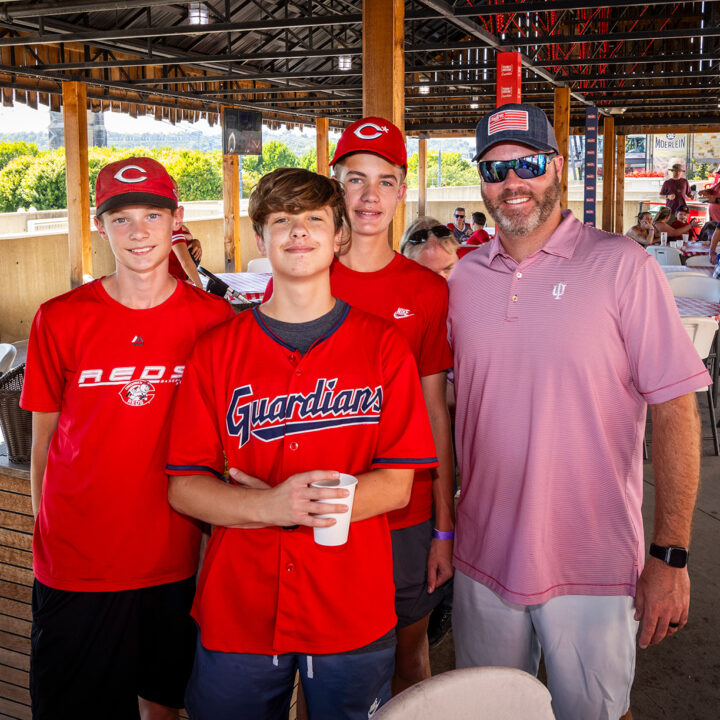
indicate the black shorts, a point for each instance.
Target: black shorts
{"x":410,"y":549}
{"x":93,"y":653}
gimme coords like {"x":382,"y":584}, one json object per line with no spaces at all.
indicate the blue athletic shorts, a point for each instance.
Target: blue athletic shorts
{"x":346,"y":686}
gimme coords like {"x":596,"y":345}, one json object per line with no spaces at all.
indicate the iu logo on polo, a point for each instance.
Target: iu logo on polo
{"x":558,"y":290}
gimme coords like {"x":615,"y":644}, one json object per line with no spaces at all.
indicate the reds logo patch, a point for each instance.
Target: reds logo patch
{"x":121,"y":174}
{"x":323,"y":408}
{"x":138,"y":393}
{"x":370,"y":131}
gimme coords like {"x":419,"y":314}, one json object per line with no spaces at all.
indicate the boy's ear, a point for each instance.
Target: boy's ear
{"x":261,"y":244}
{"x":178,"y":217}
{"x":402,"y":191}
{"x":100,"y":227}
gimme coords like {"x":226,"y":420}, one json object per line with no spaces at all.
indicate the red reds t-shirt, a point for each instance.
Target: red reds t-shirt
{"x":112,"y":372}
{"x":415,"y":300}
{"x":351,"y":403}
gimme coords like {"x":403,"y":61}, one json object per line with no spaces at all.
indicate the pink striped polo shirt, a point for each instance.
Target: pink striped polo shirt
{"x":556,"y":358}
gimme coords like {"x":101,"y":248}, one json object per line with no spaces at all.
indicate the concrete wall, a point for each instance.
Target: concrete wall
{"x":36,"y":267}
{"x":441,"y":202}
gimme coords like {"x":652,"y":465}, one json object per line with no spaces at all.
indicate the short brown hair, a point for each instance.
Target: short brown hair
{"x":295,"y":190}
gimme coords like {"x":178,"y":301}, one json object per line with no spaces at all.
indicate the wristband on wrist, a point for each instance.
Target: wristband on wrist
{"x":443,"y":534}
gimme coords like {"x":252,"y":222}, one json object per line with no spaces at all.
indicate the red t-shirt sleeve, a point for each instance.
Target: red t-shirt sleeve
{"x":195,"y":437}
{"x":44,"y":370}
{"x":405,"y":439}
{"x":435,"y":353}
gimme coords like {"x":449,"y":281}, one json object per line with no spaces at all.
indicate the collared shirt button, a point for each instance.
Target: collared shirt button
{"x":518,"y":275}
{"x":290,"y":567}
{"x":514,"y":298}
{"x":298,"y":371}
{"x":293,"y":445}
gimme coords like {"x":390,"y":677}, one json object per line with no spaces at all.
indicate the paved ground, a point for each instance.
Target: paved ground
{"x":680,"y":678}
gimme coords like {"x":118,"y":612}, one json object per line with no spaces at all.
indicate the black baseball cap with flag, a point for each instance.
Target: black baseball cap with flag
{"x":518,"y":123}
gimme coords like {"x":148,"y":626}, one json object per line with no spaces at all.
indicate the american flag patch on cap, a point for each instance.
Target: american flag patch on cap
{"x":508,"y":120}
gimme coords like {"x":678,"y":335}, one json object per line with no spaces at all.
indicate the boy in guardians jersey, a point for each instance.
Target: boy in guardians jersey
{"x":304,"y":382}
{"x":370,"y":160}
{"x":114,"y":564}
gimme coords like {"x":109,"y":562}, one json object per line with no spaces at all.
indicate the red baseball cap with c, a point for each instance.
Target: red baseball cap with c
{"x":375,"y":135}
{"x":134,"y":181}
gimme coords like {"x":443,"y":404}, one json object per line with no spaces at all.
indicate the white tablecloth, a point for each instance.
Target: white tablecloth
{"x":251,"y":285}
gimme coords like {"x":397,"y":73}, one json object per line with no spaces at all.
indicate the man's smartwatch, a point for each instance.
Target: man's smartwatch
{"x":671,"y":555}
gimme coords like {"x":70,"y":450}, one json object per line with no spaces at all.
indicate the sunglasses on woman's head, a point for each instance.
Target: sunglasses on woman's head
{"x":526,"y":168}
{"x":421,"y":236}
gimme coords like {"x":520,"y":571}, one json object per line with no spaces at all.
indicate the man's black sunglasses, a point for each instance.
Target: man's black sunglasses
{"x":421,"y":236}
{"x":528,"y":167}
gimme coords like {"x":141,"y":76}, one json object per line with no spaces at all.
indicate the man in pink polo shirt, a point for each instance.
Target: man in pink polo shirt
{"x":578,"y":334}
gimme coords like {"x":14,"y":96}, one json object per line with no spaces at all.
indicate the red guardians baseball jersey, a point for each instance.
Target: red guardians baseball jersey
{"x":415,"y":300}
{"x":352,"y":403}
{"x":112,"y":373}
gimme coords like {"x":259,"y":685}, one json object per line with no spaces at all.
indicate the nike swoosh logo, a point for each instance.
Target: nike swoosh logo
{"x":401,"y":313}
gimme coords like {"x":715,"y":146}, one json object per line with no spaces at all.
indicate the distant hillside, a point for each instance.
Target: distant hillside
{"x":197,"y":140}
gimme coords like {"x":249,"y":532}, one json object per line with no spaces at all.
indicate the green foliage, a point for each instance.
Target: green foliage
{"x":11,"y":150}
{"x":309,"y":160}
{"x":10,"y":178}
{"x":455,"y":170}
{"x":198,"y":174}
{"x":703,"y":171}
{"x":43,"y":186}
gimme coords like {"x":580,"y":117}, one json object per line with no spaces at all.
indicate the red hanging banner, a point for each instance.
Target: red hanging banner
{"x":509,"y":68}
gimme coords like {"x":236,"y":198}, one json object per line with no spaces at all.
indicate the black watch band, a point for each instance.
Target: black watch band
{"x":671,"y":555}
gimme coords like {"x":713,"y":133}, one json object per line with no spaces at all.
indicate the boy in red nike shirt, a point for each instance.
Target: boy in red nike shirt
{"x":114,"y":563}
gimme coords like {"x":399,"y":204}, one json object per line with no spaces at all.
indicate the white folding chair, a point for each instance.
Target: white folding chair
{"x":702,"y":333}
{"x":694,"y":286}
{"x":478,"y":693}
{"x":669,"y":274}
{"x":7,"y":356}
{"x":259,"y":265}
{"x":665,"y":255}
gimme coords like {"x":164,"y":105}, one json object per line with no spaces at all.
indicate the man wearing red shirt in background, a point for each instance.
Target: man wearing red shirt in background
{"x":461,"y":229}
{"x":479,"y":236}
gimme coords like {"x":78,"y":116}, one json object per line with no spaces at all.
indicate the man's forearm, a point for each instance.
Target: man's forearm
{"x":676,"y":466}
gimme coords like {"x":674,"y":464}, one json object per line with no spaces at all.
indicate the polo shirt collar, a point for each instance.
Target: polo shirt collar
{"x":562,"y":242}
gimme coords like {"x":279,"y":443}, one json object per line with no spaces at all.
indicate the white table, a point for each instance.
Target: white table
{"x":692,"y":307}
{"x":250,"y":285}
{"x":683,"y":268}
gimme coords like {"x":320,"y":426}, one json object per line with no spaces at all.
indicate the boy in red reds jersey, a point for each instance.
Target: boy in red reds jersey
{"x":303,"y":382}
{"x":371,"y":161}
{"x":114,"y":564}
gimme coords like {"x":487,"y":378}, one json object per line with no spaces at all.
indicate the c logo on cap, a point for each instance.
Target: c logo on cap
{"x":120,"y":174}
{"x":371,"y":135}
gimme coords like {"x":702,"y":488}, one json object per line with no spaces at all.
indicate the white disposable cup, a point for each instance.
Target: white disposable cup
{"x":663,"y":238}
{"x":685,"y":237}
{"x":673,"y":243}
{"x":336,"y":534}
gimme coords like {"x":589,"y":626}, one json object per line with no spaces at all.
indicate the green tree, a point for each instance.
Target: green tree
{"x":198,"y":174}
{"x":43,"y":186}
{"x":10,"y":150}
{"x":10,"y":178}
{"x":309,"y":160}
{"x":455,"y":170}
